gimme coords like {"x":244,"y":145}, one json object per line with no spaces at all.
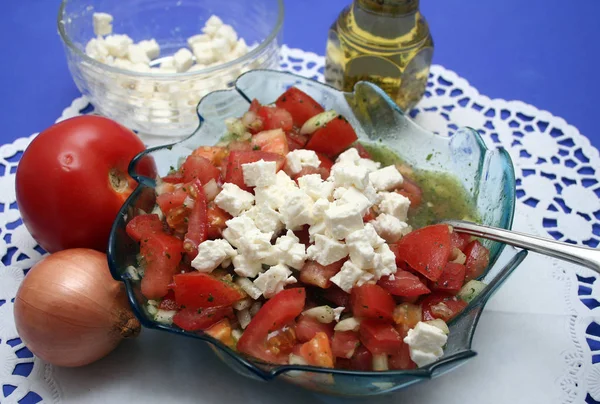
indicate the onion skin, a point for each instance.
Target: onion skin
{"x":70,"y":312}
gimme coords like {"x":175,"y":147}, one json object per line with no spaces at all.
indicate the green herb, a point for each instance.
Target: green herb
{"x":256,"y":147}
{"x":169,"y":147}
{"x":210,"y":297}
{"x":168,"y":255}
{"x":429,"y":156}
{"x":199,"y":311}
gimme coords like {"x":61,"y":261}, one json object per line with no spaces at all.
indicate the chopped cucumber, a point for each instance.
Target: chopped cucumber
{"x":471,"y":290}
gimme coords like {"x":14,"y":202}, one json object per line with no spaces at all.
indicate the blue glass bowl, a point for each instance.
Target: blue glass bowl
{"x":487,"y":175}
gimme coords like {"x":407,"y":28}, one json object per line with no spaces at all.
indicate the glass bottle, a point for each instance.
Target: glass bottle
{"x":386,"y":42}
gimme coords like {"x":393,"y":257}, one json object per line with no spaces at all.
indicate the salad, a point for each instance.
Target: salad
{"x":290,"y":243}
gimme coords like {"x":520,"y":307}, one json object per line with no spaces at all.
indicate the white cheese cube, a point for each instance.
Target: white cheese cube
{"x":183,"y":60}
{"x":227,"y":32}
{"x":318,"y":227}
{"x":349,"y":157}
{"x":425,"y":343}
{"x":386,"y":264}
{"x":220,"y":48}
{"x":371,"y":194}
{"x":343,"y":219}
{"x":136,"y":54}
{"x":102,"y":23}
{"x":167,"y":63}
{"x":237,"y":228}
{"x":291,"y":251}
{"x":319,"y":208}
{"x":298,"y":159}
{"x":390,"y":227}
{"x":204,"y":53}
{"x":348,"y":276}
{"x":151,"y":47}
{"x":266,"y":219}
{"x":273,"y":280}
{"x":296,"y":210}
{"x":211,"y":254}
{"x":233,"y":199}
{"x":246,"y":267}
{"x":349,"y":176}
{"x":260,"y":173}
{"x":361,"y":247}
{"x":353,"y":197}
{"x":369,"y":165}
{"x":118,"y":45}
{"x":257,"y":246}
{"x":394,"y":204}
{"x":326,"y":250}
{"x":386,"y":179}
{"x":213,"y":21}
{"x":337,"y":312}
{"x":247,"y":286}
{"x":96,"y":49}
{"x":240,"y":49}
{"x":198,"y":39}
{"x":314,"y":186}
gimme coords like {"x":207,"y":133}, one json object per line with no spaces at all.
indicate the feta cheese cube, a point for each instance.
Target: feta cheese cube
{"x":118,"y":45}
{"x":425,"y":343}
{"x":240,"y":49}
{"x":348,"y":276}
{"x":257,"y":246}
{"x":292,"y":251}
{"x":371,"y":194}
{"x":151,"y":47}
{"x":297,"y":209}
{"x":260,"y":173}
{"x":343,"y":219}
{"x":273,"y":280}
{"x":349,"y":157}
{"x":298,"y":159}
{"x":369,"y":165}
{"x":233,"y":199}
{"x":266,"y":219}
{"x":353,"y":197}
{"x":136,"y":54}
{"x":102,"y":23}
{"x":390,"y":227}
{"x":212,"y":25}
{"x":274,"y":195}
{"x":386,"y":263}
{"x":314,"y":186}
{"x":227,"y":32}
{"x":198,"y":39}
{"x":361,"y":247}
{"x":204,"y":53}
{"x":96,"y":49}
{"x":337,"y":312}
{"x":247,"y":286}
{"x":246,"y":267}
{"x":318,"y":227}
{"x":394,"y":204}
{"x":386,"y":179}
{"x":211,"y":254}
{"x":237,"y":228}
{"x":349,"y":176}
{"x":326,"y":250}
{"x":167,"y":63}
{"x":182,"y":59}
{"x":366,"y":277}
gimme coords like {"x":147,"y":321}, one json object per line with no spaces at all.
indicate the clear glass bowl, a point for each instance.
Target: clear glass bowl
{"x":487,"y":174}
{"x":164,"y":105}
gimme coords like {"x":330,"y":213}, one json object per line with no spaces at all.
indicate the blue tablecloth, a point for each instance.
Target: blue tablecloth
{"x":542,"y":52}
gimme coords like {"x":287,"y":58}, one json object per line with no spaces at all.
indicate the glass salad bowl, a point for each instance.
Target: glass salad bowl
{"x":487,"y":175}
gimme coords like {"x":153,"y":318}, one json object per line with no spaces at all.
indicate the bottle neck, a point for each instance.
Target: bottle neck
{"x":394,"y":7}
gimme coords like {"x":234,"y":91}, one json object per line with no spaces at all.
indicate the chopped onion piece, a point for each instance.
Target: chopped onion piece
{"x":236,"y":333}
{"x":152,"y":310}
{"x":439,"y":323}
{"x":317,"y":121}
{"x":157,"y":211}
{"x":189,"y":202}
{"x":458,"y":257}
{"x":255,"y":308}
{"x":243,"y":304}
{"x":133,"y":273}
{"x":380,"y":362}
{"x":244,"y":318}
{"x":323,"y":314}
{"x":297,"y":360}
{"x":347,"y":324}
{"x":471,"y":290}
{"x":165,"y":316}
{"x":211,"y":189}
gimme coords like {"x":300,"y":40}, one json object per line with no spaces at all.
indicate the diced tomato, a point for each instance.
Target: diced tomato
{"x":336,"y":295}
{"x":400,"y":359}
{"x":362,"y":152}
{"x":144,"y":225}
{"x":478,"y":259}
{"x":379,"y":337}
{"x":426,"y":250}
{"x":307,"y":327}
{"x":275,"y":118}
{"x":196,"y":167}
{"x":372,"y":301}
{"x":214,"y":154}
{"x":173,"y":178}
{"x":326,"y":164}
{"x":443,"y":306}
{"x":317,"y":351}
{"x":451,"y":280}
{"x":216,"y":218}
{"x":198,"y":289}
{"x":278,"y":311}
{"x":177,"y":219}
{"x":407,"y":315}
{"x":303,"y":235}
{"x":272,"y":141}
{"x":370,"y":215}
{"x":412,"y":191}
{"x":362,"y":359}
{"x":281,"y":342}
{"x":460,"y":240}
{"x":344,"y":343}
{"x":404,"y":284}
{"x":197,"y":229}
{"x":296,"y":140}
{"x":162,"y":254}
{"x":300,"y":105}
{"x":313,"y":273}
{"x":191,"y":319}
{"x":239,"y":145}
{"x":254,"y":106}
{"x":235,"y":174}
{"x":222,"y":331}
{"x":343,"y":363}
{"x":170,"y":200}
{"x":168,"y":302}
{"x":333,"y":138}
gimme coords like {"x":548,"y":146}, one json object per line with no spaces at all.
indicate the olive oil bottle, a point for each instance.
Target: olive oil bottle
{"x":386,"y":42}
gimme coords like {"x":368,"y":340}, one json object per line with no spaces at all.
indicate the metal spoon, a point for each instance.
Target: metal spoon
{"x":588,"y":257}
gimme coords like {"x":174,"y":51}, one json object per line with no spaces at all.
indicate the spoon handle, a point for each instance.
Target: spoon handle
{"x":588,"y":257}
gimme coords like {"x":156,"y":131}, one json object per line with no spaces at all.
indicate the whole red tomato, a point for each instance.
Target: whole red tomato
{"x":72,"y":181}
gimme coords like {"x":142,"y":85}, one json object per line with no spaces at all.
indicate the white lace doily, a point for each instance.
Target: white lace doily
{"x":539,"y":339}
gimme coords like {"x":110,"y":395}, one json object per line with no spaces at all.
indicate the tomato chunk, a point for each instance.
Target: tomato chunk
{"x":197,"y":230}
{"x":317,"y":351}
{"x":313,"y":273}
{"x":404,"y":284}
{"x":336,"y":295}
{"x":333,"y":138}
{"x":234,"y":172}
{"x":372,"y":301}
{"x":190,"y":319}
{"x":271,"y":141}
{"x":216,"y":218}
{"x":171,"y":200}
{"x":143,"y":225}
{"x":400,"y":359}
{"x":344,"y":343}
{"x":300,"y":105}
{"x":412,"y":191}
{"x":460,"y":240}
{"x":278,"y":311}
{"x":426,"y":250}
{"x":168,"y":302}
{"x":296,"y":140}
{"x":379,"y":337}
{"x":275,"y":118}
{"x":442,"y":306}
{"x":362,"y":359}
{"x":307,"y":327}
{"x":162,"y":254}
{"x":478,"y":259}
{"x":199,"y":290}
{"x":362,"y":152}
{"x":196,"y":167}
{"x":214,"y":154}
{"x":451,"y":280}
{"x":222,"y":331}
